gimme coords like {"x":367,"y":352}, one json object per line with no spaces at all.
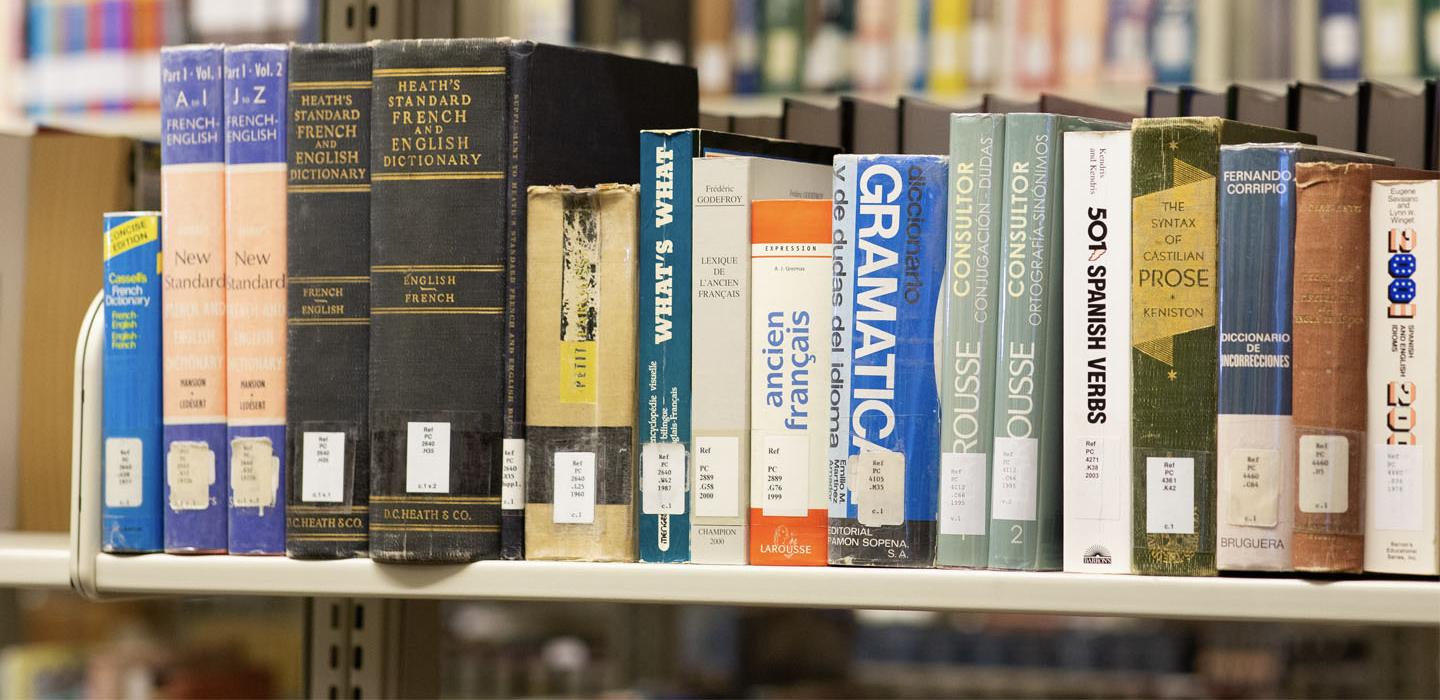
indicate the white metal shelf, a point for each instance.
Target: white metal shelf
{"x":1402,"y":602}
{"x":34,"y":560}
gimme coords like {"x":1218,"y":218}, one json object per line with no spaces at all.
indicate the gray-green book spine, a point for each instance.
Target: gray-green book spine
{"x":1025,"y":467}
{"x":967,"y":366}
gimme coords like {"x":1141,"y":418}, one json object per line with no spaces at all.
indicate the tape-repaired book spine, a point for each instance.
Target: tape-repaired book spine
{"x":197,"y":458}
{"x":790,"y":267}
{"x":132,"y":519}
{"x":1400,"y":525}
{"x":892,"y":472}
{"x":968,"y":352}
{"x":842,"y":304}
{"x":255,"y":202}
{"x":1096,"y":347}
{"x":327,"y":352}
{"x":580,"y":378}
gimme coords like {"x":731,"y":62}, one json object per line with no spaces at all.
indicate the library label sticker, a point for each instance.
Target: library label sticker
{"x":190,"y":472}
{"x":574,"y":487}
{"x":1088,"y":490}
{"x":1397,"y":486}
{"x":784,"y":483}
{"x":322,"y":476}
{"x":1324,"y":474}
{"x":1253,"y":476}
{"x":427,"y":457}
{"x":1170,"y":495}
{"x":962,"y":493}
{"x":878,"y":480}
{"x":124,"y":485}
{"x":717,"y":477}
{"x":254,"y":473}
{"x":1015,"y":484}
{"x":512,"y":474}
{"x":662,"y":478}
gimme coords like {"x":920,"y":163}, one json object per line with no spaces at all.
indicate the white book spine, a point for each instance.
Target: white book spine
{"x":1096,"y":377}
{"x":1400,"y":525}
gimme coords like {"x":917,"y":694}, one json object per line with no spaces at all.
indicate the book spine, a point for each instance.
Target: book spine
{"x":255,"y":297}
{"x":1332,"y":237}
{"x":967,"y":370}
{"x":437,"y":283}
{"x":328,"y":303}
{"x":1096,"y":347}
{"x":1175,"y":355}
{"x":663,"y":381}
{"x":1339,"y":42}
{"x":512,"y":446}
{"x":790,"y":263}
{"x":1255,"y":488}
{"x":842,"y":305}
{"x":1400,"y":527}
{"x":720,"y":361}
{"x":949,"y":31}
{"x":892,"y":469}
{"x":580,"y":378}
{"x":746,"y":38}
{"x":131,"y":515}
{"x":1173,"y":25}
{"x":783,"y":47}
{"x":193,"y":300}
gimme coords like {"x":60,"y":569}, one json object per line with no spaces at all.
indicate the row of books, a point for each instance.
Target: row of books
{"x":491,"y":378}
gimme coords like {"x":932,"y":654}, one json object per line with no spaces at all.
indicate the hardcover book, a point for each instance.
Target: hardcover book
{"x":1174,"y":187}
{"x":790,"y":270}
{"x":968,"y":352}
{"x":1400,"y":524}
{"x":447,"y":260}
{"x":1331,"y":115}
{"x":888,"y":486}
{"x":1095,"y":389}
{"x":925,"y":126}
{"x":1393,"y":122}
{"x":723,"y":189}
{"x":1255,"y":482}
{"x":666,"y":312}
{"x":868,"y":127}
{"x":1025,"y":493}
{"x":580,"y":373}
{"x":132,"y":519}
{"x":327,"y":352}
{"x":197,"y":455}
{"x":808,"y":122}
{"x":1339,"y":42}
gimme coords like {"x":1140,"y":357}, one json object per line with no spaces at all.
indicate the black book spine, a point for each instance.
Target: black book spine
{"x":328,"y":302}
{"x":440,"y":161}
{"x":512,"y":507}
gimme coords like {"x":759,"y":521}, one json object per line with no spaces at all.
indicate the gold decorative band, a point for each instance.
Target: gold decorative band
{"x":325,"y":279}
{"x":405,"y":177}
{"x":326,"y":189}
{"x":461,"y":310}
{"x":309,"y":507}
{"x":437,"y":268}
{"x":423,"y":499}
{"x":435,"y":528}
{"x":329,"y":321}
{"x":439,"y":70}
{"x":329,"y":84}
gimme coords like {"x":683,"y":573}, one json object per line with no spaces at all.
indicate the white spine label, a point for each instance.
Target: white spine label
{"x":717,"y":477}
{"x":1091,"y":490}
{"x":1170,"y":495}
{"x":512,"y":474}
{"x":322,"y":478}
{"x":787,"y":481}
{"x":878,"y":480}
{"x":662,"y":478}
{"x":190,"y":472}
{"x":124,"y":485}
{"x":962,"y":493}
{"x":1016,"y":479}
{"x":1324,"y":483}
{"x":1254,"y":487}
{"x":254,"y":473}
{"x":574,"y":487}
{"x":427,"y":458}
{"x":1396,"y":483}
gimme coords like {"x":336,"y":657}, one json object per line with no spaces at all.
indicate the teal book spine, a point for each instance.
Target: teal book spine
{"x":967,"y":354}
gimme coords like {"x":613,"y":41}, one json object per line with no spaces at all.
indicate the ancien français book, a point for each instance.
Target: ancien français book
{"x":197,"y":455}
{"x":720,"y":468}
{"x":1175,"y":186}
{"x":1095,"y":375}
{"x":131,"y":515}
{"x":968,"y":354}
{"x":1332,"y":273}
{"x":790,"y":276}
{"x":888,"y":486}
{"x":327,"y":353}
{"x":447,"y":251}
{"x":580,"y":374}
{"x":666,"y":312}
{"x":1400,"y":524}
{"x":1255,"y":482}
{"x":1025,"y":460}
{"x":255,"y":295}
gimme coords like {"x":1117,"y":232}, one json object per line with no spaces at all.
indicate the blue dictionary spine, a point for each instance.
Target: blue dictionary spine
{"x":131,"y":516}
{"x":193,"y":209}
{"x":666,"y":225}
{"x":1339,"y":42}
{"x":894,"y":454}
